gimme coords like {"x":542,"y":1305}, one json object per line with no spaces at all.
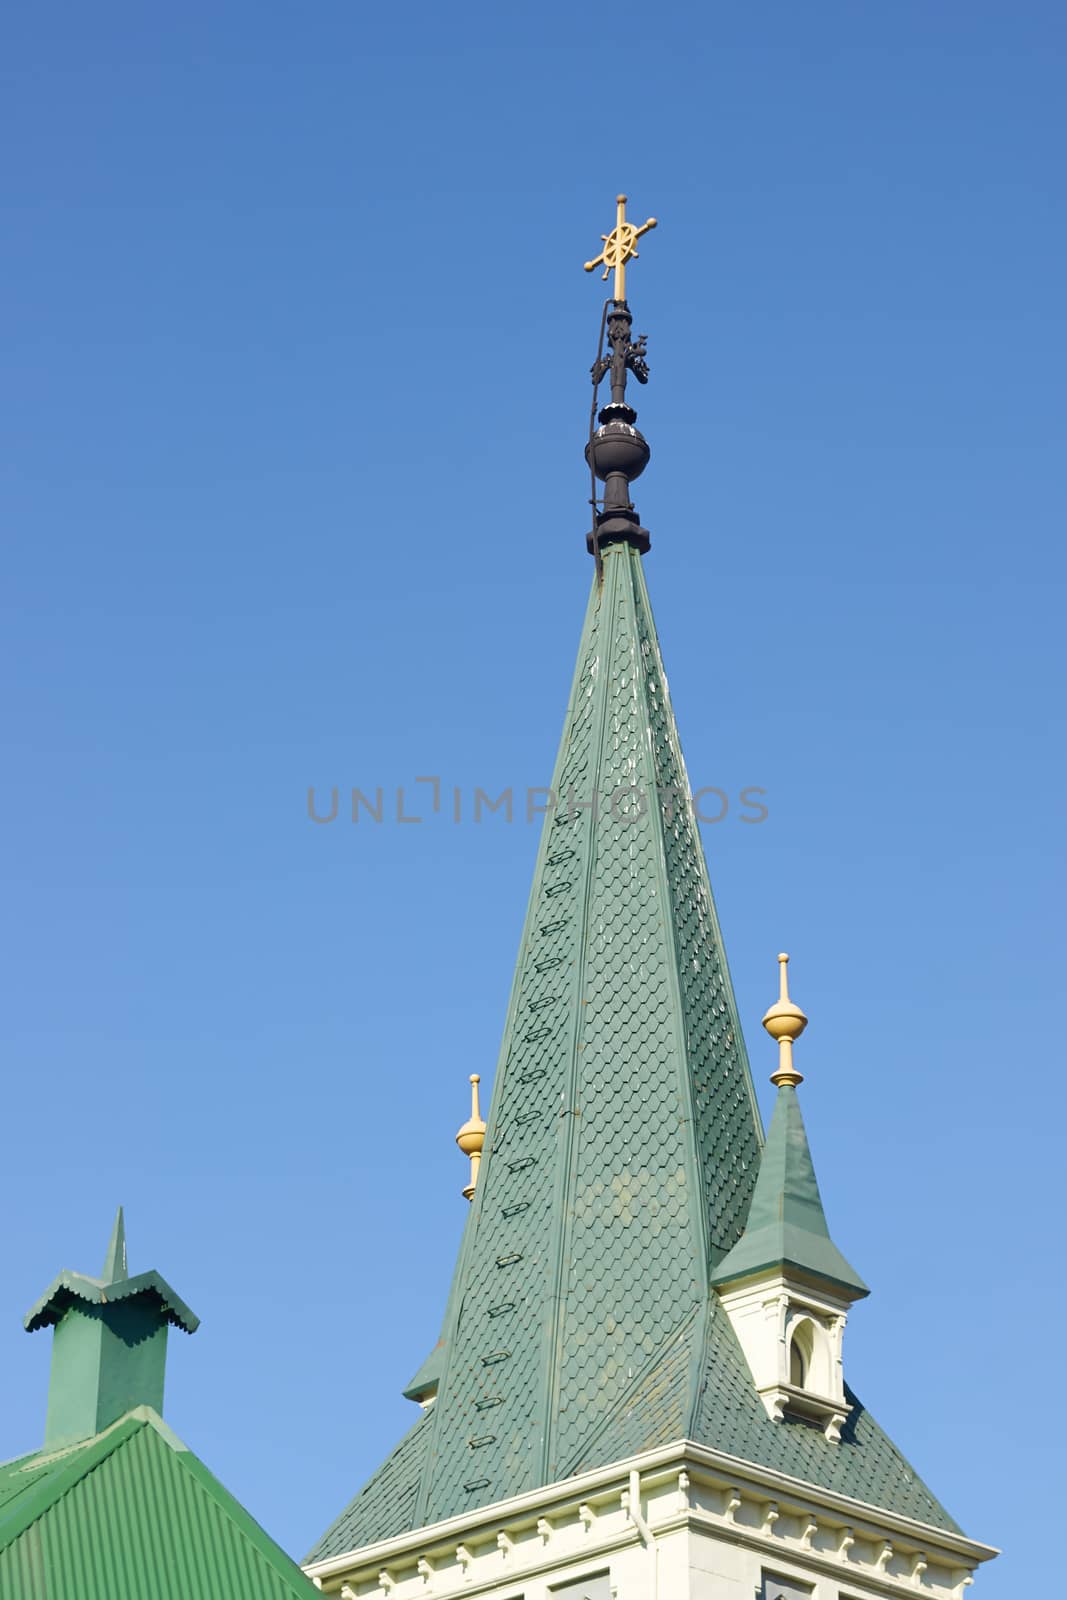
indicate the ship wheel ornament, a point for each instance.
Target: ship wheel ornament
{"x":620,"y":246}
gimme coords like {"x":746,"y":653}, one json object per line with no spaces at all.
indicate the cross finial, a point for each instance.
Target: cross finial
{"x":785,"y":1022}
{"x":619,"y":246}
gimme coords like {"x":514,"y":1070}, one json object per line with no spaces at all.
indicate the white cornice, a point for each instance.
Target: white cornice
{"x":669,"y":1457}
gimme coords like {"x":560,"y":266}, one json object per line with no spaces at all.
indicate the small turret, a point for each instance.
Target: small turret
{"x":109,"y":1349}
{"x":785,"y":1285}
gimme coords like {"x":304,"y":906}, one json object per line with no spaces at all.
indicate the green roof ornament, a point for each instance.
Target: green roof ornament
{"x":109,"y":1349}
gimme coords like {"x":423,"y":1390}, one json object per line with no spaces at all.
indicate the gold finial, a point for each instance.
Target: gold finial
{"x":619,"y":246}
{"x":471,"y":1138}
{"x":785,"y":1022}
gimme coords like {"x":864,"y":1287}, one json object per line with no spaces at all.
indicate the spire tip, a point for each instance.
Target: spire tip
{"x":115,"y":1268}
{"x":785,"y":1022}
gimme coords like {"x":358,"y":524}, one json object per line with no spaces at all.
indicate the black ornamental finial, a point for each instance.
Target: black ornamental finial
{"x":617,"y":453}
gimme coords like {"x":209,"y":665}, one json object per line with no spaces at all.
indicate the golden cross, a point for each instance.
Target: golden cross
{"x":619,"y":246}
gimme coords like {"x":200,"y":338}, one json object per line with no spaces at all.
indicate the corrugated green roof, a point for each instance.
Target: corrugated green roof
{"x":128,"y":1514}
{"x":622,"y":1150}
{"x":786,"y":1223}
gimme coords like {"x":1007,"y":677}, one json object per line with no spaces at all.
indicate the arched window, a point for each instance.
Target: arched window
{"x":801,"y":1349}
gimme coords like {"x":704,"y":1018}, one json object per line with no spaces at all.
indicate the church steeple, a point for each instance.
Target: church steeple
{"x":109,"y":1348}
{"x":587,"y":1324}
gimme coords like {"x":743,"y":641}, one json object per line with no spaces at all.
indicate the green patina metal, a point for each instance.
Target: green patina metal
{"x":109,"y":1350}
{"x":786,"y":1223}
{"x":130,"y":1513}
{"x":621,"y":1154}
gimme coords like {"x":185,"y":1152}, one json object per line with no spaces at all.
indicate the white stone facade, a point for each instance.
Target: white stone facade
{"x":683,"y":1523}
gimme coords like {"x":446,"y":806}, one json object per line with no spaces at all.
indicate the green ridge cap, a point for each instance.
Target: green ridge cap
{"x":786,"y":1223}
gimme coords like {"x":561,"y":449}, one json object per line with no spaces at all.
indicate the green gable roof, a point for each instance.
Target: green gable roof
{"x":621,"y":1154}
{"x":786,"y":1223}
{"x":132,"y":1513}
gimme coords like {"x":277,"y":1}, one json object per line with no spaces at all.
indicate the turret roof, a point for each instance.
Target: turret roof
{"x":786,"y":1223}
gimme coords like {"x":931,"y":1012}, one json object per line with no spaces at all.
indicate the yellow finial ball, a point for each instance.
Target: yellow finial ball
{"x":471,"y":1137}
{"x":784,"y":1020}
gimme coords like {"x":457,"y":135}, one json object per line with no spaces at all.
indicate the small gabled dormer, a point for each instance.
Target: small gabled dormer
{"x":785,"y":1286}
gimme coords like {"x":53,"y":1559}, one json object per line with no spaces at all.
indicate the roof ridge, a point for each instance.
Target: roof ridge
{"x":566,"y":1169}
{"x":545,"y":849}
{"x":682,"y":789}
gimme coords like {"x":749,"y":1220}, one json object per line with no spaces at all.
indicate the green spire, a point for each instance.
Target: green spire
{"x":623,"y":1137}
{"x":109,"y":1349}
{"x":621,"y":1154}
{"x":786,"y":1223}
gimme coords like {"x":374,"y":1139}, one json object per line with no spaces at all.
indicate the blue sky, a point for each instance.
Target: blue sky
{"x":293,"y":494}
